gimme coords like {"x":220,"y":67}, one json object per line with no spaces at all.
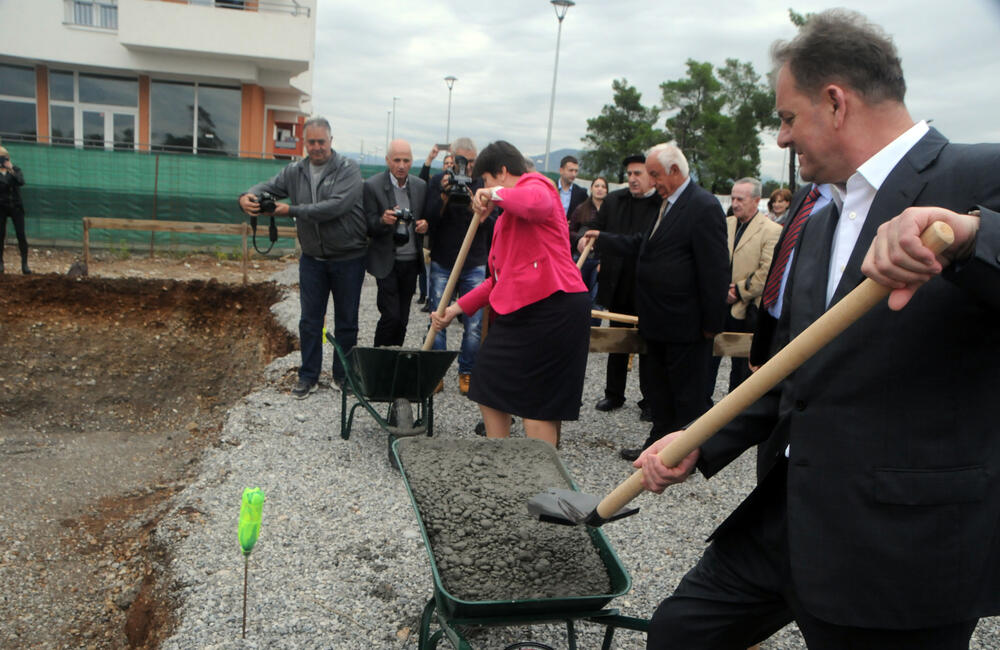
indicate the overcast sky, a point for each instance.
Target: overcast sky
{"x":503,"y":54}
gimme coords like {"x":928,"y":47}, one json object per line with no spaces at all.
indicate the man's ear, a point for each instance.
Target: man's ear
{"x":836,"y":100}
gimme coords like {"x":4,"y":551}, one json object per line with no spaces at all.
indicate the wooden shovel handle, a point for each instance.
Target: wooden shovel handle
{"x":612,"y":316}
{"x":456,"y":271}
{"x":585,"y":253}
{"x":938,"y":236}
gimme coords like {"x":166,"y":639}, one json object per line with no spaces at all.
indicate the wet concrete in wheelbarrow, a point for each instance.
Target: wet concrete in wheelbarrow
{"x":472,"y":497}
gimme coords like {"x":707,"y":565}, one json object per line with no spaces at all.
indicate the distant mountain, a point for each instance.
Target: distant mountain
{"x":554,"y":158}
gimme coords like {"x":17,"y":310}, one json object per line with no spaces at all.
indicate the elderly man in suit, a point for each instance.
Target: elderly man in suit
{"x":394,"y":204}
{"x":751,"y":238}
{"x":682,"y":269}
{"x":875,"y":524}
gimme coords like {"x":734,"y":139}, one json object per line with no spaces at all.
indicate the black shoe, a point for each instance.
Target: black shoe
{"x":480,"y":428}
{"x":647,"y":414}
{"x":426,"y":307}
{"x":304,"y":389}
{"x":630,"y":454}
{"x":421,"y":300}
{"x":608,"y":404}
{"x":25,"y":270}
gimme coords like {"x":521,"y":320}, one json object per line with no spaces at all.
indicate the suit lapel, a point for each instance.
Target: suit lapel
{"x":899,"y":191}
{"x":811,"y":268}
{"x":751,"y":230}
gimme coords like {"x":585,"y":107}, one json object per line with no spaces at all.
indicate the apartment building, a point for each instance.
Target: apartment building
{"x":230,"y":77}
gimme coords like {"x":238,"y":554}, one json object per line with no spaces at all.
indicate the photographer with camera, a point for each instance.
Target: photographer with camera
{"x":394,"y":205}
{"x":325,"y":193}
{"x":448,"y":213}
{"x":11,"y":180}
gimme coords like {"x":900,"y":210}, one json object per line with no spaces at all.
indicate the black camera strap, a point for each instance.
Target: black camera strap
{"x":272,"y":234}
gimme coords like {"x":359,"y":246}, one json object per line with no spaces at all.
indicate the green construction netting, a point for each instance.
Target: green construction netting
{"x":65,"y":184}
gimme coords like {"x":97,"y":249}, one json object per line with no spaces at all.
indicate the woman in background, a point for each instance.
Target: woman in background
{"x":777,"y":205}
{"x":579,"y":222}
{"x":533,"y":362}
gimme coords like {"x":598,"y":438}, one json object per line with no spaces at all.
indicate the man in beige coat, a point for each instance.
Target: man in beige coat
{"x":752,"y":238}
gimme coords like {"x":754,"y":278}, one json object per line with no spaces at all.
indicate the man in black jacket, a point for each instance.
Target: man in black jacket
{"x":448,"y":213}
{"x":626,"y":211}
{"x":875,"y":522}
{"x":682,"y":268}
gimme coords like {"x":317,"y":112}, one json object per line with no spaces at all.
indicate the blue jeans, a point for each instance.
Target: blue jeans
{"x":317,"y":280}
{"x":469,"y":279}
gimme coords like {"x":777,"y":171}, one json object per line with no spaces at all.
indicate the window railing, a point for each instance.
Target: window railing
{"x":92,"y":13}
{"x":293,"y":7}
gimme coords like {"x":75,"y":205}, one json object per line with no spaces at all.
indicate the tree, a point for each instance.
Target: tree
{"x":623,"y":128}
{"x":716,"y":120}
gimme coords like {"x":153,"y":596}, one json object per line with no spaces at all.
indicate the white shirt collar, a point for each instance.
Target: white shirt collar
{"x":673,"y":197}
{"x":877,"y":168}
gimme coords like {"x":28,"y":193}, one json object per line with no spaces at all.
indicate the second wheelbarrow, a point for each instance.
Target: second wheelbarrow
{"x":404,"y":379}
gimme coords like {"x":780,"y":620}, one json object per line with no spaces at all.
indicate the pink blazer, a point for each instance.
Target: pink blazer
{"x":529,"y":258}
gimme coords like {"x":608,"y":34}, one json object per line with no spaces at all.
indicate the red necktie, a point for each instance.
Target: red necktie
{"x":773,"y":285}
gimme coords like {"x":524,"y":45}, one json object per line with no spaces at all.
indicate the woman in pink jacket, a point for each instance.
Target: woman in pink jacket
{"x":532,"y":364}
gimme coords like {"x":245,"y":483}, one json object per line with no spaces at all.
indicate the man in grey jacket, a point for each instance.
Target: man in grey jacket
{"x":325,"y":201}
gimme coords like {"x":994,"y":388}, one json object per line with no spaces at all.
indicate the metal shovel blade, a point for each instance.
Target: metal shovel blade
{"x":571,"y":508}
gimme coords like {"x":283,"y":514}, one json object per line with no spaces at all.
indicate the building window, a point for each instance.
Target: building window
{"x":93,"y":13}
{"x":17,"y":80}
{"x":17,"y":103}
{"x":61,"y":123}
{"x":179,"y":111}
{"x":17,"y":120}
{"x":97,"y":89}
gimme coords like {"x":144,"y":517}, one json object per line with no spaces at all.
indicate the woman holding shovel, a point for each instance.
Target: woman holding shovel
{"x":533,"y":362}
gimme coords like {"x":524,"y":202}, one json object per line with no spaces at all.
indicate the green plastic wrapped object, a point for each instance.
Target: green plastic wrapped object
{"x":250,"y":513}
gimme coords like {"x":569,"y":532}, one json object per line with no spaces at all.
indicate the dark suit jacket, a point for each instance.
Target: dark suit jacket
{"x":379,"y":197}
{"x":761,"y":347}
{"x":681,"y":271}
{"x":577,"y":195}
{"x":893,"y":490}
{"x":620,"y":213}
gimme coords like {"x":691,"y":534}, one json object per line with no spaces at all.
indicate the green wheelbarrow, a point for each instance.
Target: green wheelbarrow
{"x":448,"y":615}
{"x":402,"y":379}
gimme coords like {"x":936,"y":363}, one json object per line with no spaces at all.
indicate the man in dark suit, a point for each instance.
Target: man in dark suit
{"x":682,"y":268}
{"x":394,"y":205}
{"x":630,"y":210}
{"x":571,"y":194}
{"x":875,"y":525}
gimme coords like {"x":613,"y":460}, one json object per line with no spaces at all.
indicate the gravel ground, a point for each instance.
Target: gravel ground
{"x":340,"y":562}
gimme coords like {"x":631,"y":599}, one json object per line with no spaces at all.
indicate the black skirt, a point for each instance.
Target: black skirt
{"x":533,"y":360}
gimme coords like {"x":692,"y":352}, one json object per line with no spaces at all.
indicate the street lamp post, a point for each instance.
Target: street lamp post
{"x":561,"y":7}
{"x":388,"y":114}
{"x":393,"y":119}
{"x":450,"y":80}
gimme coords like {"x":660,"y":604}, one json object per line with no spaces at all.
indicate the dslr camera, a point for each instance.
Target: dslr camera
{"x":404,"y":217}
{"x":3,"y":160}
{"x":266,"y":202}
{"x":459,"y":181}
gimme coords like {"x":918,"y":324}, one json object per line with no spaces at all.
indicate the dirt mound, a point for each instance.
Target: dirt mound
{"x":109,"y":391}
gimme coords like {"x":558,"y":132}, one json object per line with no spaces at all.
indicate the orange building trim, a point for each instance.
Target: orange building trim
{"x":252,"y":121}
{"x":43,"y":129}
{"x":144,"y":126}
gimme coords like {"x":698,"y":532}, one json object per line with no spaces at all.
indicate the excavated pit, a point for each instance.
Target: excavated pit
{"x":109,"y":391}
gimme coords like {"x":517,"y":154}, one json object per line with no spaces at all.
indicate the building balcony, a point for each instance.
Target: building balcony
{"x":278,"y":35}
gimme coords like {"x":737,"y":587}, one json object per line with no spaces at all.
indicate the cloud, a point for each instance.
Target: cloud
{"x":503,"y":56}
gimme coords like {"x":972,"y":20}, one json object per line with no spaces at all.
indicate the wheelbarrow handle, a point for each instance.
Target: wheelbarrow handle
{"x":585,"y":253}
{"x":456,"y":271}
{"x":869,"y":293}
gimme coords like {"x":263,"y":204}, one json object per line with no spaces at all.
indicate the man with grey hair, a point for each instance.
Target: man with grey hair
{"x":324,"y":192}
{"x":874,"y":523}
{"x":681,"y":271}
{"x":448,"y":213}
{"x":751,"y":239}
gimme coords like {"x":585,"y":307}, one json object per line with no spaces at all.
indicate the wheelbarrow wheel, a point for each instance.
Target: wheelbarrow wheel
{"x":528,"y":645}
{"x":400,"y":415}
